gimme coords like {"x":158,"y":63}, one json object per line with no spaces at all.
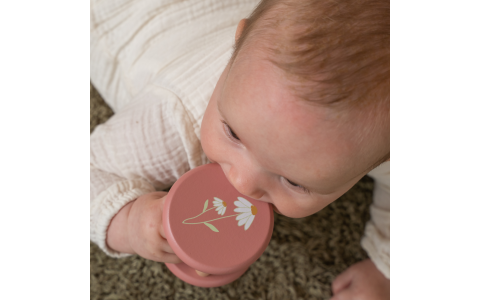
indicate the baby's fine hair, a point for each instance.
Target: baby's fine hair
{"x":337,"y":52}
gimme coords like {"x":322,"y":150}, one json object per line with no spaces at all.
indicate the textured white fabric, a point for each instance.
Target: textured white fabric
{"x":156,"y":63}
{"x":377,"y":231}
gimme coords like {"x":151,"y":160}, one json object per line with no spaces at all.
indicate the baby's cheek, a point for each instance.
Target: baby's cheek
{"x":292,"y":210}
{"x":300,"y":208}
{"x":205,"y":142}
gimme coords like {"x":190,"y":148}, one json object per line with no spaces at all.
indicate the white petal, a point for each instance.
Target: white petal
{"x":219,"y":208}
{"x":242,"y":216}
{"x":223,"y":211}
{"x":242,"y":221}
{"x":239,"y":204}
{"x":244,"y":201}
{"x":242,"y":209}
{"x":249,"y":222}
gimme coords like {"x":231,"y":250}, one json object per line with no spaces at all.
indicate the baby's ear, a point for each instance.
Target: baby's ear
{"x":240,"y":27}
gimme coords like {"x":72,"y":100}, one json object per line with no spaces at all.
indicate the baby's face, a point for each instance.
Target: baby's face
{"x":275,"y":148}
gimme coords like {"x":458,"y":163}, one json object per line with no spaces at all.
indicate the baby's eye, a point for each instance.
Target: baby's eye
{"x":297,"y":186}
{"x":230,"y":132}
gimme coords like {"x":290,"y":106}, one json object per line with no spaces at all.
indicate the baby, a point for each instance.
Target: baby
{"x":299,"y":114}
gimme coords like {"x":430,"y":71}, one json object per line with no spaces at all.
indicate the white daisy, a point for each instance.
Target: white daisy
{"x":248,"y":212}
{"x":220,"y":204}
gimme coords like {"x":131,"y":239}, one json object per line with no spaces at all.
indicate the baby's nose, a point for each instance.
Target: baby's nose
{"x":246,"y":183}
{"x":255,"y":194}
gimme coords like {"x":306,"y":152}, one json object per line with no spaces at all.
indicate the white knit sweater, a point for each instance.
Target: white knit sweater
{"x":156,"y":63}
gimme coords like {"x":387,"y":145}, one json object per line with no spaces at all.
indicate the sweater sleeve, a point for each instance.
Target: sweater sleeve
{"x":376,"y":240}
{"x":144,"y":147}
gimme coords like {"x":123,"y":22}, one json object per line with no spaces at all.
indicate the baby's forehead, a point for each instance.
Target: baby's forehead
{"x":255,"y":84}
{"x":256,"y":91}
{"x":254,"y":76}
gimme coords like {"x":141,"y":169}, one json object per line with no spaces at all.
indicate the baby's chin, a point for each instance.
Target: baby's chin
{"x":276,"y":210}
{"x":296,"y":214}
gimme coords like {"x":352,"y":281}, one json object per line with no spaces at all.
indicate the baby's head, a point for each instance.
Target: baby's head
{"x":301,"y":112}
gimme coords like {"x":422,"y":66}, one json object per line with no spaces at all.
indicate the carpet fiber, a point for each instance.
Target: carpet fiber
{"x":302,"y":259}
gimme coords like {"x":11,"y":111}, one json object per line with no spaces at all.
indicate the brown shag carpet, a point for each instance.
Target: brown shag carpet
{"x":301,"y":261}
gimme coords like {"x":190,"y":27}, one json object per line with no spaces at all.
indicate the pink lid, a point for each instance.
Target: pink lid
{"x":211,"y":226}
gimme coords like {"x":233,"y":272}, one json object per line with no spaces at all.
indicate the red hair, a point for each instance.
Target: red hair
{"x":336,"y":52}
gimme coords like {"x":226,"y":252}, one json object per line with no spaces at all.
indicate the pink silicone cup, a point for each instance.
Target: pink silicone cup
{"x":223,"y":248}
{"x":189,"y":275}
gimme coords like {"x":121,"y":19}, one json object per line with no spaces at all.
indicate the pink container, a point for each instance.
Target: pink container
{"x":213,"y":228}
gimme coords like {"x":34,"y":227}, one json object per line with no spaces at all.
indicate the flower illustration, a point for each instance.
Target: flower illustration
{"x":220,"y":204}
{"x":247,"y":210}
{"x":245,"y":213}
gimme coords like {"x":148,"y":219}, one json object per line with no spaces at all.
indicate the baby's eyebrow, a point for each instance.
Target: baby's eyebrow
{"x":219,"y":108}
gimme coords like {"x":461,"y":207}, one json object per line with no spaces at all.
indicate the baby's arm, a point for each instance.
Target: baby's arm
{"x":137,"y":229}
{"x":370,"y":279}
{"x":377,"y":231}
{"x":108,"y":194}
{"x":144,"y":147}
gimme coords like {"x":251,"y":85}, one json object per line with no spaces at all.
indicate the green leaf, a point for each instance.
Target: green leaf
{"x":213,"y":228}
{"x":205,"y":206}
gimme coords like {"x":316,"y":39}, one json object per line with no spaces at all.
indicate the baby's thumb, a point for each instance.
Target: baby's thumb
{"x":202,"y":274}
{"x":170,"y":258}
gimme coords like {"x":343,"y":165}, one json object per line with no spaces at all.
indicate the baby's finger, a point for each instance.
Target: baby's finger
{"x":158,"y":194}
{"x":200,"y":273}
{"x":166,"y":247}
{"x":342,"y":281}
{"x":162,"y":232}
{"x":345,"y":294}
{"x":169,"y":258}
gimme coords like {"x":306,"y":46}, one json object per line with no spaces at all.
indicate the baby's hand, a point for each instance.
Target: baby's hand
{"x":362,"y":281}
{"x":138,"y":229}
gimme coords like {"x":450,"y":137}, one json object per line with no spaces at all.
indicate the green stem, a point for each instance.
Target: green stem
{"x":211,"y":220}
{"x":197,"y":215}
